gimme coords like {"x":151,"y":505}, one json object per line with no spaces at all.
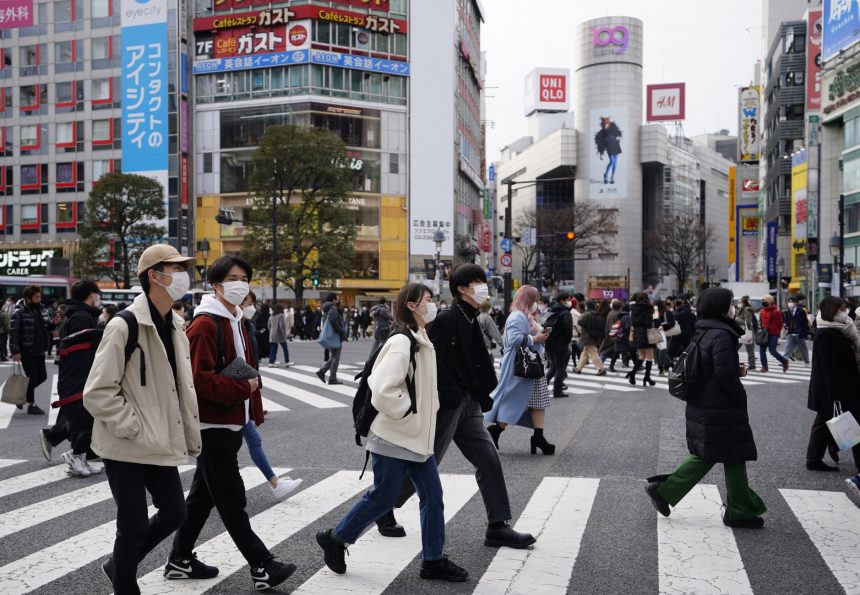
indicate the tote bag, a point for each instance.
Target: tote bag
{"x":329,"y":339}
{"x":843,"y":426}
{"x":14,"y":389}
{"x":675,"y":329}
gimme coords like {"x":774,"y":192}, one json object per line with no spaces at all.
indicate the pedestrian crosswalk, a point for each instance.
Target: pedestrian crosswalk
{"x":691,"y":551}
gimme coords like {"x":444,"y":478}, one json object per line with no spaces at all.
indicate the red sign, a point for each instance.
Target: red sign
{"x":813,"y":60}
{"x":298,"y":35}
{"x":377,"y":5}
{"x":750,"y":186}
{"x":665,"y":102}
{"x":553,"y":88}
{"x":183,"y":191}
{"x":246,"y":41}
{"x":506,"y":259}
{"x":284,"y":16}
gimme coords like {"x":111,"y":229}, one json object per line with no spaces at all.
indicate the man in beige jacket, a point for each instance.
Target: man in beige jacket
{"x":146,"y":420}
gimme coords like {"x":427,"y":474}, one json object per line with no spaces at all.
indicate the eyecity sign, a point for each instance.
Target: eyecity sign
{"x":618,"y":36}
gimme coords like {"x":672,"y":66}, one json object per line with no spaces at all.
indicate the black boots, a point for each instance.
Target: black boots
{"x":647,"y":378}
{"x":651,"y":485}
{"x":501,"y":534}
{"x":389,"y":527}
{"x":444,"y":570}
{"x":539,"y":442}
{"x":495,"y":431}
{"x":631,"y":375}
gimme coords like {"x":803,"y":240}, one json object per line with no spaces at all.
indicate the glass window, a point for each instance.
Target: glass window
{"x":65,"y":92}
{"x":322,"y":31}
{"x":101,"y":130}
{"x":100,"y":8}
{"x":29,"y":135}
{"x":62,"y":11}
{"x":851,"y":176}
{"x":64,"y":52}
{"x":29,"y":96}
{"x":29,"y":175}
{"x":65,"y":213}
{"x":341,"y":35}
{"x":101,"y":89}
{"x":29,"y":213}
{"x":65,"y":173}
{"x":65,"y":133}
{"x":100,"y":168}
{"x":852,"y":132}
{"x":399,"y":45}
{"x":29,"y":55}
{"x":101,"y":48}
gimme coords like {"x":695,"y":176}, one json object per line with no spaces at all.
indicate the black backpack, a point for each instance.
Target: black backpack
{"x":77,"y":353}
{"x":688,"y":369}
{"x":594,"y":325}
{"x":363,"y":411}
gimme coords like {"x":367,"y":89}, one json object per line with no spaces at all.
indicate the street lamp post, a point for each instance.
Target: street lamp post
{"x":203,"y":247}
{"x":836,"y":253}
{"x":780,"y":269}
{"x":438,"y":238}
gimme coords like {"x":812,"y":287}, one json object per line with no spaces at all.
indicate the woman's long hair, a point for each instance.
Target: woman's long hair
{"x":404,"y":318}
{"x":523,"y":300}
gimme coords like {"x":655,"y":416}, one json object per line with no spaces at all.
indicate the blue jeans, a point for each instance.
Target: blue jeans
{"x":255,"y":449}
{"x":771,"y":346}
{"x":388,"y":476}
{"x":273,"y":352}
{"x":610,"y":167}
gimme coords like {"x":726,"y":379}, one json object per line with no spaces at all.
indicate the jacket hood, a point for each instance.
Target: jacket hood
{"x":720,"y":324}
{"x":210,"y":305}
{"x":74,"y":307}
{"x":327,"y":306}
{"x":558,"y":307}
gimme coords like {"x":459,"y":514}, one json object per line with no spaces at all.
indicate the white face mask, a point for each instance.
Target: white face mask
{"x":841,"y":316}
{"x":429,"y":313}
{"x":249,"y":311}
{"x":178,"y":286}
{"x":481,"y":293}
{"x":534,"y":308}
{"x":732,"y":311}
{"x":235,"y":292}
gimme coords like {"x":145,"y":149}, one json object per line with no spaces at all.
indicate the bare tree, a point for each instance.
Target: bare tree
{"x":682,"y":246}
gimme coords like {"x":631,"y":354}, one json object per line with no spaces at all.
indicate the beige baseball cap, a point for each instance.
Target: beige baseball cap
{"x":161,"y":253}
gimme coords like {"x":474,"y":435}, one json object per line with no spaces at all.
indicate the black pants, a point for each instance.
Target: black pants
{"x":820,"y":438}
{"x":464,"y":425}
{"x":75,"y":424}
{"x":4,"y":339}
{"x":34,"y":368}
{"x":558,"y":360}
{"x":137,"y":535}
{"x":217,"y":483}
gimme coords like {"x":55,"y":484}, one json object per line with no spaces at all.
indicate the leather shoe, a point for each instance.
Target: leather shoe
{"x":321,"y":375}
{"x":335,"y":381}
{"x":753,"y":523}
{"x":501,"y":534}
{"x":820,"y":466}
{"x":560,"y":395}
{"x":656,"y":499}
{"x":389,"y":527}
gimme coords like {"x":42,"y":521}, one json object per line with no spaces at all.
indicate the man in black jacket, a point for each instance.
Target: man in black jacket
{"x":74,"y":423}
{"x":331,"y":315}
{"x":558,"y":343}
{"x":28,"y":341}
{"x":466,"y":378}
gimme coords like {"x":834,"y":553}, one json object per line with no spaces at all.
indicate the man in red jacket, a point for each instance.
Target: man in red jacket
{"x":225,"y":404}
{"x":771,"y":320}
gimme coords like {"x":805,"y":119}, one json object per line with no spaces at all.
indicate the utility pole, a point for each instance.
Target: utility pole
{"x":274,"y":250}
{"x":509,"y":282}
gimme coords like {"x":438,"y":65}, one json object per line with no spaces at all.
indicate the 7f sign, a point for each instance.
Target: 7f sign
{"x":665,"y":102}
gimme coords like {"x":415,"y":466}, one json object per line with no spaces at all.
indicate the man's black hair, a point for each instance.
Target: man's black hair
{"x":83,"y":289}
{"x":562,"y":296}
{"x":143,"y":277}
{"x":463,"y":275}
{"x":221,"y":268}
{"x":332,"y":296}
{"x":714,"y":302}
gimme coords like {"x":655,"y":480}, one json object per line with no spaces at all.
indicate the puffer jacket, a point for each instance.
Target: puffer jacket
{"x":718,"y":429}
{"x":152,"y":424}
{"x":26,"y":336}
{"x":771,"y":319}
{"x":641,"y":319}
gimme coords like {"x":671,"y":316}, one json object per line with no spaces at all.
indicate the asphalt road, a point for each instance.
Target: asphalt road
{"x":597,"y":531}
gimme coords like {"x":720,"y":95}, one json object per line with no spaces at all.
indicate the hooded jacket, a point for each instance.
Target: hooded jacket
{"x":79,"y":316}
{"x":331,"y":314}
{"x":771,"y":319}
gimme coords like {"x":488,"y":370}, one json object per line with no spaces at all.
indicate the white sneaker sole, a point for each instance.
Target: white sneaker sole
{"x":284,"y":487}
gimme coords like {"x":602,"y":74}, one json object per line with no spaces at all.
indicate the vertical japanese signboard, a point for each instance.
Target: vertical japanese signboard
{"x":144,"y":90}
{"x":733,"y":202}
{"x":813,"y":60}
{"x":748,"y":125}
{"x":798,"y":207}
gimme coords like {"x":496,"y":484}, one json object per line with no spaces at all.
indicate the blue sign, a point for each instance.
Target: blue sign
{"x":506,"y":245}
{"x":144,"y":97}
{"x":250,"y":62}
{"x":772,"y":229}
{"x":841,"y":26}
{"x":491,"y":175}
{"x":394,"y":67}
{"x":183,"y":73}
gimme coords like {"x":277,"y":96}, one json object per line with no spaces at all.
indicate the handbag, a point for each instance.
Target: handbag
{"x":843,"y":426}
{"x":672,"y":331}
{"x":14,"y":389}
{"x":527,"y":361}
{"x":654,"y":336}
{"x":329,"y":339}
{"x":663,"y":344}
{"x":747,"y":338}
{"x":762,"y":336}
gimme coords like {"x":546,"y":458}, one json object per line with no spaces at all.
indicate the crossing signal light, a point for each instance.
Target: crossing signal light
{"x":316,"y":281}
{"x":569,"y":235}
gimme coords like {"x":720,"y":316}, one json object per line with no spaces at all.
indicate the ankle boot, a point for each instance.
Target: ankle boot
{"x":647,"y":378}
{"x":389,"y":527}
{"x":495,"y":431}
{"x":539,"y":442}
{"x":631,"y":375}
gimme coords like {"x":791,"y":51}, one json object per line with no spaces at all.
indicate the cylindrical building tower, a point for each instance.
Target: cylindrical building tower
{"x":608,"y":110}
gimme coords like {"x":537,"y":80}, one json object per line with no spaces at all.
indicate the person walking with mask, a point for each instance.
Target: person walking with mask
{"x":516,"y":400}
{"x":747,"y":319}
{"x":489,"y":330}
{"x":400,"y":440}
{"x":218,"y":338}
{"x":642,"y":318}
{"x":771,"y":320}
{"x":29,"y":339}
{"x":381,"y":324}
{"x":557,"y":345}
{"x":797,"y":325}
{"x":278,"y":336}
{"x":466,"y":377}
{"x":592,"y":326}
{"x":332,"y":317}
{"x":718,"y":429}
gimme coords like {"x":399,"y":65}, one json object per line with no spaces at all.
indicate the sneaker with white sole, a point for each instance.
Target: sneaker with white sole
{"x":93,"y":469}
{"x":284,"y":486}
{"x":77,"y":464}
{"x":273,"y":364}
{"x":271,"y":574}
{"x":47,"y":447}
{"x":289,"y":364}
{"x":180,"y":568}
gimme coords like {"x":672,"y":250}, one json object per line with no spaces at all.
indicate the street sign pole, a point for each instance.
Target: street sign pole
{"x":509,"y":281}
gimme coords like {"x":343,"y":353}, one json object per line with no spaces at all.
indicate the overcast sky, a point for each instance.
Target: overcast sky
{"x":702,"y":43}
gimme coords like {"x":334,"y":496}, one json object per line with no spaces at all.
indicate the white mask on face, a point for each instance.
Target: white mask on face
{"x":235,"y":292}
{"x":732,"y":311}
{"x":481,"y":293}
{"x":841,"y":316}
{"x":429,"y":313}
{"x":249,"y":311}
{"x":178,"y":286}
{"x":534,"y":308}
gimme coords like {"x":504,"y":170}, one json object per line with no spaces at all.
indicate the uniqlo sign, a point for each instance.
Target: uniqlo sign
{"x":553,"y":88}
{"x":546,"y":90}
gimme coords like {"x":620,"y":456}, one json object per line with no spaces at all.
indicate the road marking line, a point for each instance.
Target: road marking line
{"x":45,"y":510}
{"x":313,"y":381}
{"x":302,"y":395}
{"x":313,"y":370}
{"x":556,"y":514}
{"x":832,"y":522}
{"x":272,"y":407}
{"x":6,"y":413}
{"x":53,"y":412}
{"x":10,"y":462}
{"x":375,"y":561}
{"x":77,"y":551}
{"x":770,"y":379}
{"x":273,"y":526}
{"x":696,"y":552}
{"x":28,"y":481}
{"x":600,"y":385}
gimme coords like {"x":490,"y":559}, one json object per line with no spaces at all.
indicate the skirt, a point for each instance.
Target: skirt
{"x":539,"y":398}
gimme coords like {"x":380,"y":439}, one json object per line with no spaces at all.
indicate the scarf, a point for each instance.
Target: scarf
{"x":846,"y":327}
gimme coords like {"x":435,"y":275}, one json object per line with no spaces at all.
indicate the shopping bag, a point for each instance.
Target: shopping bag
{"x":664,"y":342}
{"x":14,"y":389}
{"x":747,"y":338}
{"x":843,"y":426}
{"x":329,"y":339}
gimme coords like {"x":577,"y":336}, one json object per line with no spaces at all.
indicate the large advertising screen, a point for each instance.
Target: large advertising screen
{"x":607,"y":172}
{"x":841,"y":26}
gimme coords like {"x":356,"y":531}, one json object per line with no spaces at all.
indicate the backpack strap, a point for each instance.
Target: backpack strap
{"x":219,"y":340}
{"x":132,"y":342}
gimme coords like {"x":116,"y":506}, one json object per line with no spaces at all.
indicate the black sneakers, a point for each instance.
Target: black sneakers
{"x":444,"y":570}
{"x":656,"y":499}
{"x":389,"y":527}
{"x":502,"y":534}
{"x":107,"y":568}
{"x":271,"y":574}
{"x":753,"y":523}
{"x":178,"y":568}
{"x":333,"y":550}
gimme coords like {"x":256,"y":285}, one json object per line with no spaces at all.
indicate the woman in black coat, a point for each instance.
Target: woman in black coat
{"x":642,"y":318}
{"x":834,"y":377}
{"x":718,"y":429}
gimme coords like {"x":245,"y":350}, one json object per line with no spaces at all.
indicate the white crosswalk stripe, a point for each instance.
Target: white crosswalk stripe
{"x":693,"y":551}
{"x":299,"y":394}
{"x":53,"y":412}
{"x":310,"y":380}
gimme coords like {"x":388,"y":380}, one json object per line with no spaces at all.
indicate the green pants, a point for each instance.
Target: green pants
{"x":742,"y":502}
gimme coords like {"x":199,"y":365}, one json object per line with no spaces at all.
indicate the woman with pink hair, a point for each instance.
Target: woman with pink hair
{"x":516,"y":400}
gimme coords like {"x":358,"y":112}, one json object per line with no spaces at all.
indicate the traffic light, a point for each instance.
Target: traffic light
{"x":316,"y":279}
{"x":569,"y":235}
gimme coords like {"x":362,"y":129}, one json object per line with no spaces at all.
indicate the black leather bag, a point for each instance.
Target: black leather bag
{"x":527,"y":361}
